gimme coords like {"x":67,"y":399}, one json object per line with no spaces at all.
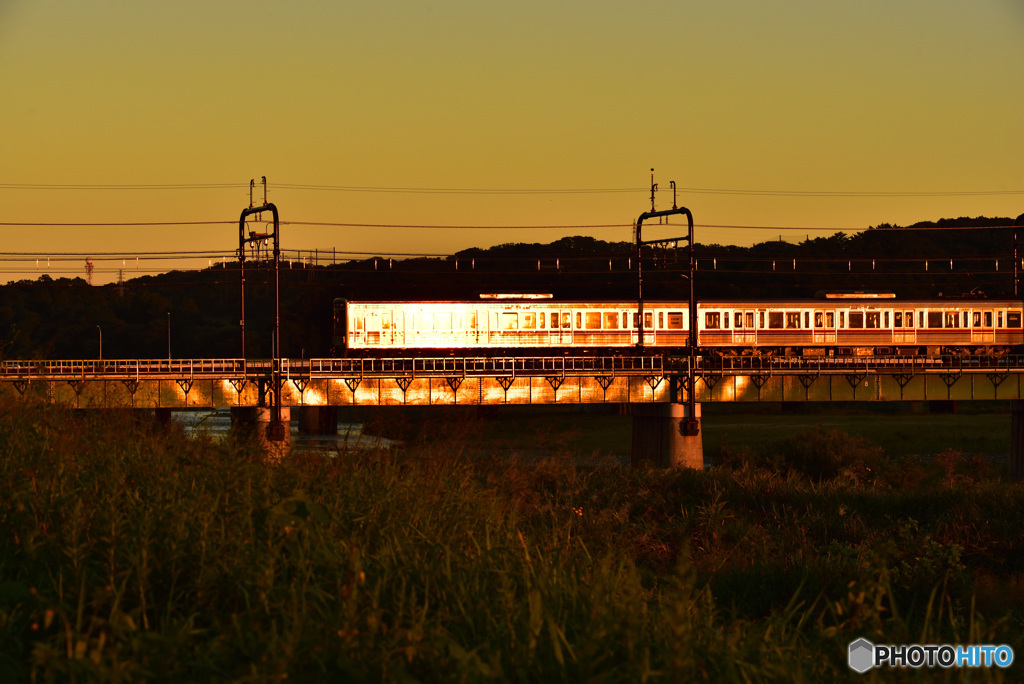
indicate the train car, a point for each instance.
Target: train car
{"x":811,"y":327}
{"x":488,"y":326}
{"x":860,"y":326}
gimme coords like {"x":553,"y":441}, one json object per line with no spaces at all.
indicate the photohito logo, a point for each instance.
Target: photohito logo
{"x":864,"y":655}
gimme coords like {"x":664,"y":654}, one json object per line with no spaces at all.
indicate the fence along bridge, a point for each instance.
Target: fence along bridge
{"x":210,"y":383}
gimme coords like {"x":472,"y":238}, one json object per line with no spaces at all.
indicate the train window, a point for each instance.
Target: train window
{"x":885,"y":319}
{"x":760,"y":319}
{"x":807,"y":319}
{"x":738,"y":320}
{"x":830,"y":319}
{"x":976,"y":319}
{"x":509,"y":320}
{"x":897,"y":319}
{"x":934,"y":319}
{"x":951,"y":319}
{"x":593,"y":320}
{"x":819,"y":319}
{"x":611,"y":320}
{"x":543,"y":318}
{"x":529,"y":320}
{"x":373,"y":323}
{"x":648,"y":320}
{"x":793,"y":319}
{"x":725,"y":319}
{"x":842,"y":319}
{"x":920,"y":319}
{"x":567,"y":320}
{"x":385,"y":321}
{"x":1013,"y":319}
{"x":442,"y":321}
{"x":988,"y":319}
{"x":999,"y":319}
{"x":675,"y":320}
{"x":712,"y":320}
{"x":748,"y":319}
{"x":856,"y":319}
{"x":423,"y":321}
{"x":579,"y":320}
{"x":774,"y":319}
{"x":661,"y":320}
{"x":359,"y":322}
{"x":872,"y":319}
{"x":472,"y":320}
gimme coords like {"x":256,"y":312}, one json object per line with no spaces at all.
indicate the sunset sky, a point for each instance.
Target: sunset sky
{"x":814,"y":116}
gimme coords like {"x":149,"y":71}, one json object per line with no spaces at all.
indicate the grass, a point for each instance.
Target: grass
{"x":129,"y":552}
{"x":985,"y":430}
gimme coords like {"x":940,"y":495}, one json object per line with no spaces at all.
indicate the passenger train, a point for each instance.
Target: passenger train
{"x":837,"y":325}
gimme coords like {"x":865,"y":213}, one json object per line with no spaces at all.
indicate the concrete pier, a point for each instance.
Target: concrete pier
{"x":318,"y":420}
{"x":658,"y":440}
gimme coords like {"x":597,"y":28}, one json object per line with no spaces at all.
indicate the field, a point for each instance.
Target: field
{"x":130,"y":552}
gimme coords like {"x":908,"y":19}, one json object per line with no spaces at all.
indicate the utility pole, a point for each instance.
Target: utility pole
{"x":276,"y":430}
{"x":690,"y":424}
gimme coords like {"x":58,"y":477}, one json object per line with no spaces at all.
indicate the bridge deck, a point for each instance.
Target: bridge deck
{"x":181,"y":383}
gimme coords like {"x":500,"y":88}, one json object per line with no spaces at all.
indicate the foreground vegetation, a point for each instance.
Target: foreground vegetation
{"x":129,"y":552}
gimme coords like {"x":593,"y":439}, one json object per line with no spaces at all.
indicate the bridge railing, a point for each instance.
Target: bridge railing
{"x":844,"y":364}
{"x":124,"y":368}
{"x":499,"y":366}
{"x":485,"y":366}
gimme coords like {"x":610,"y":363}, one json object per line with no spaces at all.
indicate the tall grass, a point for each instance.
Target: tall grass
{"x":129,"y":552}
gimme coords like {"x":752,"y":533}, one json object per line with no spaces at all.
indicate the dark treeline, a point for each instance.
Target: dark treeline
{"x":63,"y":318}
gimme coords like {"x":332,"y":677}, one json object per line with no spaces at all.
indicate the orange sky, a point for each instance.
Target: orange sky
{"x":868,"y":97}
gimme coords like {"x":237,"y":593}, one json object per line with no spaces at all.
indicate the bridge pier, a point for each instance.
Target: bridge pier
{"x":1017,"y":440}
{"x":658,"y":441}
{"x":318,"y":420}
{"x":256,"y":418}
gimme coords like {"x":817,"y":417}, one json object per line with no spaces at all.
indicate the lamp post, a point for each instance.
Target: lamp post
{"x":101,"y":341}
{"x":168,"y":335}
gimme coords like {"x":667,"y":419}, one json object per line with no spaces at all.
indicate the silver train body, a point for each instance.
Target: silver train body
{"x":804,"y":327}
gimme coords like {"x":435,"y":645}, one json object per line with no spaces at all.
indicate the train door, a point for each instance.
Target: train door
{"x":649,"y":333}
{"x":824,"y":324}
{"x":903,"y":330}
{"x":357,"y":331}
{"x":982,"y":329}
{"x":560,"y":327}
{"x":399,"y":329}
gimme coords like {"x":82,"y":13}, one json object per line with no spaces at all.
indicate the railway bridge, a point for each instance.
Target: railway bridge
{"x":656,"y":387}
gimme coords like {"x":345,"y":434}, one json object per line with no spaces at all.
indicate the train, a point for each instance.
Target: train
{"x":836,"y":324}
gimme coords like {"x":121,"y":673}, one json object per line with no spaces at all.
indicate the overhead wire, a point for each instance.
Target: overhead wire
{"x":512,"y":191}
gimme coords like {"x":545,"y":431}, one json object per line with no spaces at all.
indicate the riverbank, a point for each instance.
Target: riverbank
{"x":132,"y":551}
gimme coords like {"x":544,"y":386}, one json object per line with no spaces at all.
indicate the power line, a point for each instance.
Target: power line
{"x":121,"y":186}
{"x":455,"y":227}
{"x":852,"y":193}
{"x":456,"y":191}
{"x":424,"y":226}
{"x":511,"y":191}
{"x":110,"y":224}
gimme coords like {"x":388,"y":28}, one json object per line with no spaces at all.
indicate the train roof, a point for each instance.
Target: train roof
{"x":732,"y":302}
